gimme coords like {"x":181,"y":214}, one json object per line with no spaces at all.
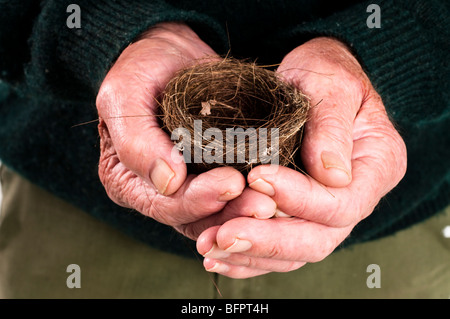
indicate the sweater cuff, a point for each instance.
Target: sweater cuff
{"x":406,"y":58}
{"x":85,"y":55}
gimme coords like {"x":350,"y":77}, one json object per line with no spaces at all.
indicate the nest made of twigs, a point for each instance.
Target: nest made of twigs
{"x":233,"y":94}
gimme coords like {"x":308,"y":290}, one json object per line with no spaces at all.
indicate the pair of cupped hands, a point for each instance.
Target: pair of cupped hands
{"x":351,"y":151}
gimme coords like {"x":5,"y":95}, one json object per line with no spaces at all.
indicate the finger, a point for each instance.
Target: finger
{"x":303,"y":197}
{"x":327,"y":143}
{"x":250,"y":203}
{"x":127,"y":103}
{"x":250,"y":262}
{"x":141,"y":145}
{"x":251,"y":266}
{"x":379,"y":163}
{"x":198,"y":197}
{"x":232,"y":271}
{"x":237,"y":265}
{"x":282,"y":239}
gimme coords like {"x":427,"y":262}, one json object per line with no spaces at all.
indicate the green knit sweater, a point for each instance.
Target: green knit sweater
{"x":50,"y":74}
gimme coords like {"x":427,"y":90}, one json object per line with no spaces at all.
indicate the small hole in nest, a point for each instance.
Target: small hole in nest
{"x":237,"y":106}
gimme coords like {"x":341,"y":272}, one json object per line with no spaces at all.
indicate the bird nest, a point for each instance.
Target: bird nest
{"x":234,"y":113}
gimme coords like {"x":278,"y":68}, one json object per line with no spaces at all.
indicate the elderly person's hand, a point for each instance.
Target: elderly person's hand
{"x":138,"y":165}
{"x":353,"y":156}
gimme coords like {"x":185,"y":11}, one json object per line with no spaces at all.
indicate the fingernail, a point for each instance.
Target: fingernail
{"x":216,"y":253}
{"x":161,"y":176}
{"x":218,"y":267}
{"x":262,"y":186}
{"x":332,"y":160}
{"x":280,"y":214}
{"x":239,"y":246}
{"x":227,"y":196}
{"x":257,"y":216}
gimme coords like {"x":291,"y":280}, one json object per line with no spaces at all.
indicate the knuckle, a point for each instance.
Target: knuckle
{"x":153,"y":209}
{"x":248,"y":262}
{"x":274,"y":252}
{"x":341,"y":212}
{"x":193,"y":202}
{"x":332,"y":128}
{"x":153,"y":206}
{"x":326,"y":119}
{"x":342,"y":217}
{"x":299,"y":207}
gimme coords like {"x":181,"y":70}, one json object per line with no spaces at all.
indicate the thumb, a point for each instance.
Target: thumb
{"x":328,"y":142}
{"x":126,"y":102}
{"x":139,"y":142}
{"x":327,"y":145}
{"x":328,"y":73}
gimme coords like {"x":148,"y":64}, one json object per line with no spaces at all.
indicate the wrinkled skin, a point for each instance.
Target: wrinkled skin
{"x":137,"y":164}
{"x":351,"y":151}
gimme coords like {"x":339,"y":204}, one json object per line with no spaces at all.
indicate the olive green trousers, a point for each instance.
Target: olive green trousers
{"x":41,"y":236}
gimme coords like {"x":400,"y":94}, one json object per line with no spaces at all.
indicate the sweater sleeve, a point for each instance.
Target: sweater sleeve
{"x":407,"y":60}
{"x":18,"y":16}
{"x":63,"y":56}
